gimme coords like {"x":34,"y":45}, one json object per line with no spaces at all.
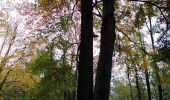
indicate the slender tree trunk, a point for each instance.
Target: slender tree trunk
{"x":137,"y":84}
{"x":146,"y":67}
{"x":67,"y":95}
{"x":73,"y":95}
{"x":128,"y":76}
{"x":148,"y":84}
{"x":85,"y":66}
{"x":103,"y":76}
{"x":160,"y":91}
{"x":155,"y":66}
{"x":168,"y":17}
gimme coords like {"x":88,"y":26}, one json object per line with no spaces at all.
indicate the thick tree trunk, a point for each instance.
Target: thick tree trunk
{"x":103,"y":76}
{"x":85,"y":66}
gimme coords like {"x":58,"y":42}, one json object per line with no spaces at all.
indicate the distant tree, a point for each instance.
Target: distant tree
{"x":15,"y":79}
{"x":56,"y":78}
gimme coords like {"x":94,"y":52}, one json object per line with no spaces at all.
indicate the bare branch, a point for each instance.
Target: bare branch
{"x":136,"y":44}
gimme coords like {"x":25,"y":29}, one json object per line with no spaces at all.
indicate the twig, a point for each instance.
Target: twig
{"x":132,"y":41}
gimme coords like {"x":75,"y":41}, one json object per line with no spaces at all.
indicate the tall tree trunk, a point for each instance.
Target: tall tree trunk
{"x":155,"y":66}
{"x":168,"y":18}
{"x":73,"y":95}
{"x":137,"y":84}
{"x":128,"y":76}
{"x":145,"y":67}
{"x":67,"y":95}
{"x":85,"y":66}
{"x":103,"y":76}
{"x":148,"y":84}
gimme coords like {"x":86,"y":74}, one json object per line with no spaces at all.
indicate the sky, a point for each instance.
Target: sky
{"x":14,"y":15}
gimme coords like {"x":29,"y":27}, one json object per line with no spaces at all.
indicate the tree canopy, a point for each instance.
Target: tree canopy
{"x":84,"y":49}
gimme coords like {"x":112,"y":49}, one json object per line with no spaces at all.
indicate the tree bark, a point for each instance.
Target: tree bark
{"x":146,"y":69}
{"x":168,"y":17}
{"x":155,"y":66}
{"x":148,"y":84}
{"x":85,"y":66}
{"x":128,"y":76}
{"x":103,"y":76}
{"x":67,"y":95}
{"x":137,"y":84}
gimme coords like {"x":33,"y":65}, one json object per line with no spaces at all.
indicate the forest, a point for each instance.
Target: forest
{"x":84,"y":49}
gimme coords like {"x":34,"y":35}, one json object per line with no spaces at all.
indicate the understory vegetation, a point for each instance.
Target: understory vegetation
{"x":84,"y":49}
